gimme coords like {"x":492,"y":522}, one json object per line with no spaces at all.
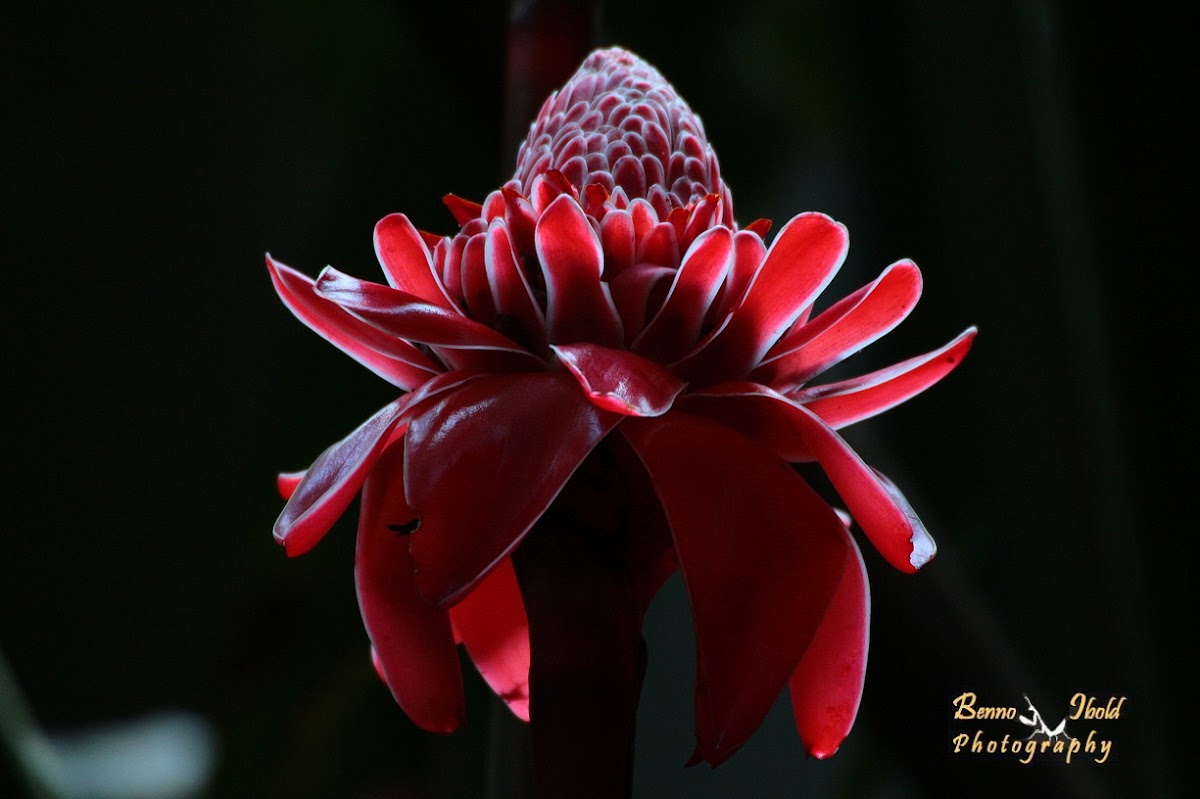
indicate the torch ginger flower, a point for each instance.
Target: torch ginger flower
{"x":605,"y":297}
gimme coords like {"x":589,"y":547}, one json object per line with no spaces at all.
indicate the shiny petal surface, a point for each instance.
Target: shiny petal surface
{"x":405,"y":260}
{"x":636,"y":291}
{"x":740,"y":405}
{"x":799,"y":265}
{"x":878,"y":507}
{"x":396,"y":361}
{"x":849,"y":401}
{"x":748,"y":254}
{"x":332,"y":481}
{"x":676,"y":327}
{"x":748,"y":531}
{"x":616,"y":234}
{"x":482,"y":466}
{"x":476,"y":288}
{"x":826,"y":687}
{"x":512,"y":292}
{"x":406,"y":316}
{"x":492,"y":624}
{"x":843,"y":329}
{"x":620,"y":381}
{"x":578,"y":307}
{"x":412,"y":640}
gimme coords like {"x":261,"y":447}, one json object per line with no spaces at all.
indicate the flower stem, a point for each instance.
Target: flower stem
{"x":546,"y":41}
{"x":588,"y":657}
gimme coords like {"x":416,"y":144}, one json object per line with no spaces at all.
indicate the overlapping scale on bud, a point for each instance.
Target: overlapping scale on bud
{"x":632,"y":159}
{"x":617,"y":123}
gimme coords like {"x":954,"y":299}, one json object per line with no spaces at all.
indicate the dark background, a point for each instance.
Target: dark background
{"x":1031,"y":156}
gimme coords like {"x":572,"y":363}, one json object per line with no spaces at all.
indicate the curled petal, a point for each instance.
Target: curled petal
{"x":405,"y":260}
{"x":636,"y":292}
{"x":676,"y":327}
{"x":334,"y":478}
{"x":548,"y":187}
{"x":748,"y":530}
{"x":826,"y":687}
{"x":877,"y":505}
{"x":318,"y":496}
{"x":482,"y":466}
{"x":286,"y":483}
{"x":512,"y":292}
{"x":476,"y":288}
{"x":843,"y":329}
{"x":412,"y":640}
{"x":520,"y":219}
{"x":620,"y":381}
{"x":406,"y":316}
{"x":799,"y":265}
{"x":748,"y":254}
{"x":396,"y":361}
{"x":492,"y":624}
{"x":659,"y":246}
{"x":849,"y":401}
{"x":578,"y":307}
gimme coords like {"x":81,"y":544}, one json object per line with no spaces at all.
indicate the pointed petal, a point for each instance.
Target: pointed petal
{"x":849,"y":401}
{"x":844,"y":329}
{"x":334,"y":478}
{"x":620,"y":381}
{"x":484,"y":463}
{"x":396,"y":361}
{"x":492,"y":624}
{"x":799,"y":265}
{"x":578,"y":307}
{"x":878,"y":506}
{"x":703,"y":217}
{"x":761,"y":555}
{"x":413,"y":644}
{"x":759,"y":227}
{"x":403,"y":315}
{"x":463,"y":210}
{"x":675,"y":329}
{"x":827,"y":685}
{"x":405,"y":260}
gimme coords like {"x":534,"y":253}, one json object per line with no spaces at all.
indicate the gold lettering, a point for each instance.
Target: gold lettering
{"x":964,"y":705}
{"x":1078,"y":702}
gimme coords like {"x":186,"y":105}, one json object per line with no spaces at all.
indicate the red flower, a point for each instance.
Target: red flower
{"x":606,"y":294}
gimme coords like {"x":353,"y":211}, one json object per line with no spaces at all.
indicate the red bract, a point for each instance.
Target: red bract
{"x":606,"y":297}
